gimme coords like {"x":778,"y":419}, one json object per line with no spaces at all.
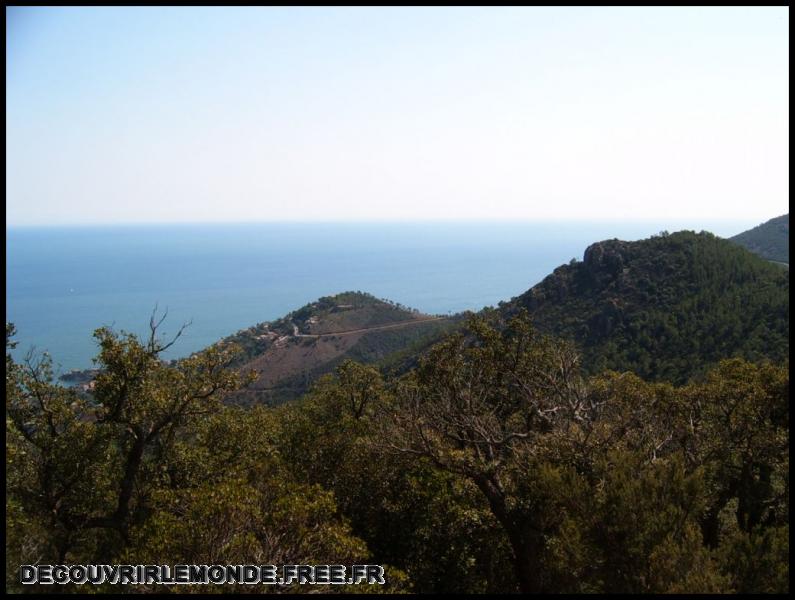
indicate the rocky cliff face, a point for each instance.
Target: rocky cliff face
{"x":605,"y":257}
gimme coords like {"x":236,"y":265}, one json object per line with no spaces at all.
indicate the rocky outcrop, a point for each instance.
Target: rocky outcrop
{"x":605,"y":260}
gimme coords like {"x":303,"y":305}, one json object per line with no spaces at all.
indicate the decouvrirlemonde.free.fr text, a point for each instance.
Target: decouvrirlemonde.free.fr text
{"x":201,"y":574}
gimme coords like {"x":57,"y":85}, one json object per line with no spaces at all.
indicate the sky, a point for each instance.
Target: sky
{"x":161,"y":115}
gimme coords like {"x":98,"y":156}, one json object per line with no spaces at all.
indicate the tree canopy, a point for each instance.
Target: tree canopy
{"x":498,"y":464}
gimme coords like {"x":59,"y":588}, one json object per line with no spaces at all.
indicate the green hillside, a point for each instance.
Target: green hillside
{"x":665,"y":308}
{"x":769,"y":240}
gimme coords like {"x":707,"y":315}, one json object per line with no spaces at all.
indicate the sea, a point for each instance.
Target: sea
{"x":62,"y":283}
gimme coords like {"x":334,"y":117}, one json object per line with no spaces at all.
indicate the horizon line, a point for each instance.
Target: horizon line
{"x":446,"y":220}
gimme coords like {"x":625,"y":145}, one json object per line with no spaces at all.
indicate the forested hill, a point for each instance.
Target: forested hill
{"x":769,"y":240}
{"x":666,"y":307}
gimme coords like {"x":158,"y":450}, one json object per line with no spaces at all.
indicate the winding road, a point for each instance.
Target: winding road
{"x":366,"y":329}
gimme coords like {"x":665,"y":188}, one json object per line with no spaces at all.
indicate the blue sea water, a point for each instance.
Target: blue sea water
{"x":64,"y":282}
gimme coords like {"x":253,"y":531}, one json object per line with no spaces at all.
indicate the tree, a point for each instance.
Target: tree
{"x":426,"y":522}
{"x":153,"y":468}
{"x":508,"y":410}
{"x":479,"y":405}
{"x":86,"y":459}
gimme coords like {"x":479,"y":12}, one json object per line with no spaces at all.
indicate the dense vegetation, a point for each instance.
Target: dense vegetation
{"x":495,"y":465}
{"x":666,"y":308}
{"x":769,"y":240}
{"x":621,"y":427}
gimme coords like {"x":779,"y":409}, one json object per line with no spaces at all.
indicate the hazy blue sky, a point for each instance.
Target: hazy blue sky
{"x":237,"y":114}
